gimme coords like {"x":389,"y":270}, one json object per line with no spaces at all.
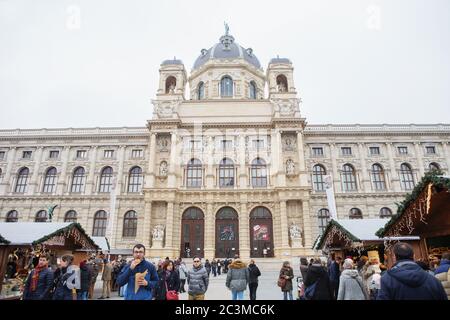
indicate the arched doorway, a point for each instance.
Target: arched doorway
{"x":192,"y":233}
{"x":261,"y":233}
{"x":227,"y":233}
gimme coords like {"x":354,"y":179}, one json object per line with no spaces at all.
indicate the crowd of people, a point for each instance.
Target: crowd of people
{"x":336,"y":279}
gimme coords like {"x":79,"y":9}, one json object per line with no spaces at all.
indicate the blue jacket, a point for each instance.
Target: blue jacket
{"x":408,"y":281}
{"x":45,"y":283}
{"x":127,"y":276}
{"x":334,"y":272}
{"x":444,"y":266}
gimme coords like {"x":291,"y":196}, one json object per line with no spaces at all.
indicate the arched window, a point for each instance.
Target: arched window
{"x":260,"y":213}
{"x":70,"y":216}
{"x":106,"y":180}
{"x":100,"y":223}
{"x":324,"y":218}
{"x":194,"y":174}
{"x":193,"y":213}
{"x":355,"y":213}
{"x":22,"y":180}
{"x":12,"y":216}
{"x":406,"y":176}
{"x":130,"y":224}
{"x":41,"y":216}
{"x":252,"y":90}
{"x":348,"y":178}
{"x":226,"y":87}
{"x":171,"y":84}
{"x":378,"y":180}
{"x":50,"y":180}
{"x":135,"y":180}
{"x":78,"y":180}
{"x":318,"y":175}
{"x":385,"y":213}
{"x":201,"y":91}
{"x":282,"y":84}
{"x":433,"y":166}
{"x":259,"y":173}
{"x":226,"y":173}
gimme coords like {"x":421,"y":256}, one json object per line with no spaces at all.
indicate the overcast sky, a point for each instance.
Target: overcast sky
{"x":95,"y":63}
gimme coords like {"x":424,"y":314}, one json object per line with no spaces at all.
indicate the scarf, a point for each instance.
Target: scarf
{"x":35,"y":278}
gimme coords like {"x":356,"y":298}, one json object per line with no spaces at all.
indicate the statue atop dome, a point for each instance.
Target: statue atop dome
{"x":227,"y":29}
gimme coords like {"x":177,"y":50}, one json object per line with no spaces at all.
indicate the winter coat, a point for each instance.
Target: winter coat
{"x":303,"y":271}
{"x":107,"y":272}
{"x":198,"y":280}
{"x":334,"y":272}
{"x":254,"y":273}
{"x":368,"y":274}
{"x":214,"y":265}
{"x":317,"y":273}
{"x":127,"y":276}
{"x":44,"y":285}
{"x":408,"y":281}
{"x":182,"y":270}
{"x":351,"y":286}
{"x":442,"y":273}
{"x":85,"y":278}
{"x":238,"y":276}
{"x":208,"y":266}
{"x":173,"y":283}
{"x":290,"y":273}
{"x":62,"y":292}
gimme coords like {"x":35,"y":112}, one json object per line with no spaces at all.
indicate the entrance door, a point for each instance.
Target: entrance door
{"x":261,"y":233}
{"x":192,"y":233}
{"x":227,"y":233}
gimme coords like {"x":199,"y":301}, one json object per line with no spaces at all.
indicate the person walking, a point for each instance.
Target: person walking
{"x":198,"y":280}
{"x":254,"y":273}
{"x":61,"y":279}
{"x":226,"y":262}
{"x":317,"y":282}
{"x":95,"y":265}
{"x":106,"y":278}
{"x":287,"y":273}
{"x":140,"y":276}
{"x":182,"y":270}
{"x":219,"y":266}
{"x":351,"y":286}
{"x":85,"y":281}
{"x":335,"y":272}
{"x":237,"y":279}
{"x":442,"y":272}
{"x":303,"y":267}
{"x":214,"y":267}
{"x":208,"y":266}
{"x":39,"y":281}
{"x":406,"y":280}
{"x":169,"y":280}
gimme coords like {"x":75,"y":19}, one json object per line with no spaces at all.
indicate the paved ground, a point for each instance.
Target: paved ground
{"x":267,"y":288}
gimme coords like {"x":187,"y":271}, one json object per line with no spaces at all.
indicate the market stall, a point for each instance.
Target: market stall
{"x":21,"y":244}
{"x":424,"y":213}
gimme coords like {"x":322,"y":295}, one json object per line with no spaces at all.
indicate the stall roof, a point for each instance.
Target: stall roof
{"x":102,"y":243}
{"x":31,"y":233}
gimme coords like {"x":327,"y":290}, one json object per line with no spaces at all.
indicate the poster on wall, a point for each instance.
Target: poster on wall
{"x":227,"y":232}
{"x":261,"y":232}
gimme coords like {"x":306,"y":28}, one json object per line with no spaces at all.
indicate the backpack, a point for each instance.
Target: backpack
{"x":310,"y":290}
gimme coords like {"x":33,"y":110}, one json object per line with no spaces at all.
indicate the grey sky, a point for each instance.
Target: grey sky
{"x":356,"y":61}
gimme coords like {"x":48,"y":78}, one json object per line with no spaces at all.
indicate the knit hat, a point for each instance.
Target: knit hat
{"x":348,"y":264}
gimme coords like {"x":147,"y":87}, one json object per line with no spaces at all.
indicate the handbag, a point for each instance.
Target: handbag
{"x":281,"y":282}
{"x":171,"y":294}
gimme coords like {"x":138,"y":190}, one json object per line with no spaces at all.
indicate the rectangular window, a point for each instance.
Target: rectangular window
{"x":374,"y":151}
{"x":81,"y":154}
{"x":317,"y":151}
{"x":402,"y":150}
{"x":258,"y":144}
{"x":108,"y":154}
{"x":137,"y":153}
{"x":2,"y":155}
{"x":346,"y":151}
{"x":226,"y":144}
{"x":431,"y":150}
{"x":54,"y":154}
{"x":26,"y":154}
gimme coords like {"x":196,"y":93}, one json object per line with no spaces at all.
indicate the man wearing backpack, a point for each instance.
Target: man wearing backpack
{"x":317,"y":282}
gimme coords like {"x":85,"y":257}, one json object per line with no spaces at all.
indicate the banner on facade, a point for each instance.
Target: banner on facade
{"x":330,"y":196}
{"x":261,"y":232}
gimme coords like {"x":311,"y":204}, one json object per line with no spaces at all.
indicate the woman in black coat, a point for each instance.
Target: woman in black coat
{"x":168,"y":275}
{"x":254,"y":273}
{"x":317,"y":274}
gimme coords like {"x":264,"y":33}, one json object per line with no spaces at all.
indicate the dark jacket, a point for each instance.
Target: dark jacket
{"x":254,"y":273}
{"x":85,"y":278}
{"x":408,"y":281}
{"x":317,"y":273}
{"x":62,"y":292}
{"x":198,"y":280}
{"x":303,"y":271}
{"x":127,"y":276}
{"x":44,"y":285}
{"x":238,"y":276}
{"x":208,"y":266}
{"x":334,"y":272}
{"x":290,"y":273}
{"x":443,"y":267}
{"x":173,"y":283}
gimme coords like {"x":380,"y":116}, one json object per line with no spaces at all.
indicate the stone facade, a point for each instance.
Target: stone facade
{"x":249,"y":152}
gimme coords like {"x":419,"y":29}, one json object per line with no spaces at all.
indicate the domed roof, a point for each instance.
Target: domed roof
{"x":227,"y":49}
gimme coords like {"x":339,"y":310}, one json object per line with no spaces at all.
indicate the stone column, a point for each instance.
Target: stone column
{"x":146,"y":230}
{"x":395,"y":181}
{"x":61,"y":187}
{"x":120,"y":182}
{"x":7,"y":185}
{"x":365,"y":179}
{"x":336,"y":178}
{"x":284,"y":226}
{"x":278,"y":161}
{"x":90,"y":180}
{"x":173,"y":160}
{"x":419,"y":157}
{"x":243,"y":180}
{"x":244,"y":232}
{"x":150,"y":179}
{"x":446,"y":153}
{"x":169,"y":228}
{"x":209,"y":232}
{"x":33,"y":186}
{"x":209,"y":165}
{"x":301,"y":160}
{"x":307,"y":225}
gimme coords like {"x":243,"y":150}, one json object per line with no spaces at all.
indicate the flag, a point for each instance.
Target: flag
{"x":330,"y":196}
